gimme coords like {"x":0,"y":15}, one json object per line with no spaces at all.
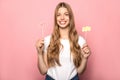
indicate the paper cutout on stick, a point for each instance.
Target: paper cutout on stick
{"x":86,"y":29}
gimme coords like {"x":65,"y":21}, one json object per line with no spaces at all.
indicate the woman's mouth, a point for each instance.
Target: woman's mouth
{"x":62,"y":22}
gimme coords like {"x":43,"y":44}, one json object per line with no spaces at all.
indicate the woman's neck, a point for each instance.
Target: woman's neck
{"x":64,"y":33}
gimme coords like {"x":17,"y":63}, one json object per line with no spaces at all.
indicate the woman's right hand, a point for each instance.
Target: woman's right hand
{"x":40,"y":46}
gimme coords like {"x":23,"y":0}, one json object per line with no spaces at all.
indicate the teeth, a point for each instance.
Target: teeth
{"x":62,"y":22}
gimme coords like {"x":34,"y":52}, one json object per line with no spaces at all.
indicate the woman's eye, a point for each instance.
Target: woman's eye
{"x":67,"y":14}
{"x":58,"y":14}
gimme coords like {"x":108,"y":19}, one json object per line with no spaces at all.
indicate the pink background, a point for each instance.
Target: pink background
{"x":20,"y":27}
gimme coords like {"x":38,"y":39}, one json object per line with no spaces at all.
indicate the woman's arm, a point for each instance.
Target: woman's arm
{"x":85,"y":54}
{"x":82,"y":67}
{"x":42,"y":64}
{"x":42,"y":57}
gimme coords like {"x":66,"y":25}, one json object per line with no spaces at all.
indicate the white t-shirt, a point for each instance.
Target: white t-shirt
{"x":67,"y":70}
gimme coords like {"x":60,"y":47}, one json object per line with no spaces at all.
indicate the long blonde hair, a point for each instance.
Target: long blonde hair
{"x":54,"y":46}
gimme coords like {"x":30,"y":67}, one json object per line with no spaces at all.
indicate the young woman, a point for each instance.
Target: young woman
{"x":63,"y":54}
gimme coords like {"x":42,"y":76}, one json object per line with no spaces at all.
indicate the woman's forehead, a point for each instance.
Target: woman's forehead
{"x":62,"y":9}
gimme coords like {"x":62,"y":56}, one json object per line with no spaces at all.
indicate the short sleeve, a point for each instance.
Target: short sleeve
{"x":81,"y":41}
{"x":46,"y":43}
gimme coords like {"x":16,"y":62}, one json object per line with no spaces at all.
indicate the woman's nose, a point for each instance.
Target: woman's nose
{"x":62,"y":16}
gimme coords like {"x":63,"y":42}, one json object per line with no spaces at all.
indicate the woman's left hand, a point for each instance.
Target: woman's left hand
{"x":85,"y":51}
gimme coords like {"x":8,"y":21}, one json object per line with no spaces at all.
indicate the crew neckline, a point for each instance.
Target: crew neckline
{"x":64,"y":39}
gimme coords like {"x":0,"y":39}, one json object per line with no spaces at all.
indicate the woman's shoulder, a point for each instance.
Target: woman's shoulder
{"x":47,"y":37}
{"x":46,"y":42}
{"x":81,"y":40}
{"x":81,"y":37}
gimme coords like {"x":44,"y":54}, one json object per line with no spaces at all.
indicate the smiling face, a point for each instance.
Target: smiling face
{"x":62,"y":17}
